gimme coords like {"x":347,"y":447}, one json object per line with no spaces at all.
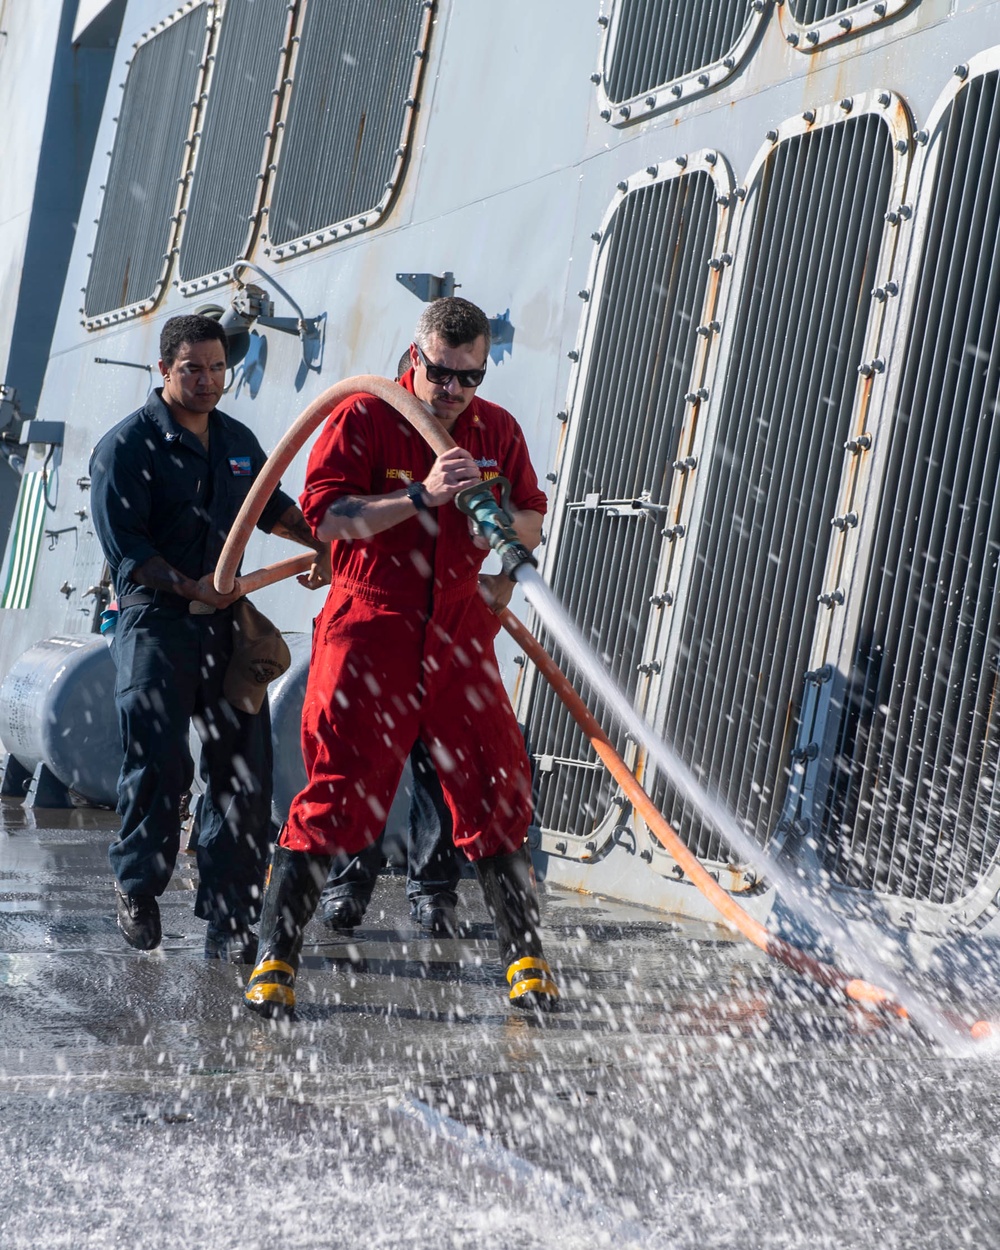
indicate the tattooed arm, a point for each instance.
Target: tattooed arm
{"x":361,"y":516}
{"x":292,"y":525}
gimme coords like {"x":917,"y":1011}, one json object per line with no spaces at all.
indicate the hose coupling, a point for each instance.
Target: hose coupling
{"x":492,"y":521}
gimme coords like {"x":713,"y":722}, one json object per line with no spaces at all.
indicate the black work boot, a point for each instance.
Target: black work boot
{"x":343,"y":914}
{"x":233,"y":945}
{"x":291,"y":893}
{"x":138,"y":919}
{"x":435,"y":913}
{"x":512,"y":901}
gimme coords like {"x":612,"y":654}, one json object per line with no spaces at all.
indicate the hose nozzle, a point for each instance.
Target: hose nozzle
{"x":493,"y":522}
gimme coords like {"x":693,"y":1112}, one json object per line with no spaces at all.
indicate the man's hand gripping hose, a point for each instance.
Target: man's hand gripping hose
{"x":492,"y":519}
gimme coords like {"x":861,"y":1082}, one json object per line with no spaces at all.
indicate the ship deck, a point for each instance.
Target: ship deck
{"x":689,"y":1093}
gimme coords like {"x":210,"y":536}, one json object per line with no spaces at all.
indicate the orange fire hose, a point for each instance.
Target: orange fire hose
{"x":725,"y":904}
{"x":858,"y":991}
{"x":310,"y":418}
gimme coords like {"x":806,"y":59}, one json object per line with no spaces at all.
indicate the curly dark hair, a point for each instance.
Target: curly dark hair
{"x":189,"y":329}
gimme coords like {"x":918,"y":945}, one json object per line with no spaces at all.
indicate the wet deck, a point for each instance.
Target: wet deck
{"x":689,"y":1094}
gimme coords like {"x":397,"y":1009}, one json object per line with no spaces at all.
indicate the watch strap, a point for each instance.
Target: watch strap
{"x":415,"y":492}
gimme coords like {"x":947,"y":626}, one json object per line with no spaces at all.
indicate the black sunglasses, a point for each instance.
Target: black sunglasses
{"x":441,"y":376}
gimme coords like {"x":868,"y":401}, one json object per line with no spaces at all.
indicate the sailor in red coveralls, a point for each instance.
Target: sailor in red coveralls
{"x":403,"y":650}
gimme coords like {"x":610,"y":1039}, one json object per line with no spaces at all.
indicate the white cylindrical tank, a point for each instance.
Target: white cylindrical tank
{"x":57,"y":707}
{"x":286,"y":696}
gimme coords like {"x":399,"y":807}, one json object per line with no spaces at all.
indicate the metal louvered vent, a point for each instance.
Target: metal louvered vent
{"x":138,"y":215}
{"x":353,"y":94}
{"x":232,"y":152}
{"x":639,"y":362}
{"x":795,"y":332}
{"x":660,"y":51}
{"x":832,"y":19}
{"x":806,"y":11}
{"x":912,"y":810}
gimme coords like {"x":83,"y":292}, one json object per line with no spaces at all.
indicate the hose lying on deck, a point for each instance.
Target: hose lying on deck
{"x":409,"y":407}
{"x":724,"y":903}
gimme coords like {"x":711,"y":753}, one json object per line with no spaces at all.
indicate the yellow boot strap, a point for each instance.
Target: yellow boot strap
{"x":523,"y":965}
{"x":534,"y":985}
{"x":270,"y":992}
{"x":272,"y":965}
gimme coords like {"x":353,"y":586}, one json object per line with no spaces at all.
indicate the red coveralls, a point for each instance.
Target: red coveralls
{"x":403,"y":648}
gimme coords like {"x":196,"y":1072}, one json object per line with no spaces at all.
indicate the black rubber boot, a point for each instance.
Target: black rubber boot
{"x":512,"y":901}
{"x":291,"y":893}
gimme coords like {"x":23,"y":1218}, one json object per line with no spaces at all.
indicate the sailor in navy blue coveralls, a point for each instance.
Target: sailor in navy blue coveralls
{"x":162,"y":499}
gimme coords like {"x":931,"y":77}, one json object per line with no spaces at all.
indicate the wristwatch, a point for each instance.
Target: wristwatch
{"x":415,"y":493}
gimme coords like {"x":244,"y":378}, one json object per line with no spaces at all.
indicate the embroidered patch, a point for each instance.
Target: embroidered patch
{"x":239,"y":466}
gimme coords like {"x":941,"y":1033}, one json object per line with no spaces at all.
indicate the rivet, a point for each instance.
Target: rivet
{"x":809,"y":116}
{"x":652,"y":170}
{"x":885,"y":99}
{"x":704,"y":79}
{"x":650,"y":101}
{"x":729,"y":63}
{"x":573,"y":355}
{"x":901,"y":145}
{"x":845,"y":23}
{"x":813,"y":37}
{"x":562,"y":416}
{"x":711,"y":158}
{"x":675,"y":90}
{"x":922,"y":137}
{"x":625,"y":112}
{"x":681,"y":162}
{"x":847,"y":103}
{"x":792,"y":38}
{"x":584,"y":294}
{"x":772,"y":135}
{"x":602,"y":20}
{"x":880,"y":9}
{"x":846,"y":522}
{"x":552,"y":477}
{"x":962,"y":71}
{"x":623,"y":185}
{"x":606,"y":114}
{"x":596,"y":77}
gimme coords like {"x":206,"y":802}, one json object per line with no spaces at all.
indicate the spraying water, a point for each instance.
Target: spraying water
{"x":551,"y":611}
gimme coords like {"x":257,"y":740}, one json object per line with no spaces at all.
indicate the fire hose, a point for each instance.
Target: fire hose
{"x":492,"y":520}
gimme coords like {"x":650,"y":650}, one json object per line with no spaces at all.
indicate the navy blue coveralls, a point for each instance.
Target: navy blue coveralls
{"x":156,"y":491}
